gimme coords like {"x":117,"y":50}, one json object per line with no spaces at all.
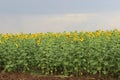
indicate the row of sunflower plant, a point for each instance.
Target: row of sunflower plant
{"x":66,"y":53}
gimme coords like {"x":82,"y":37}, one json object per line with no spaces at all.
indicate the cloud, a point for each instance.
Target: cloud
{"x":10,"y":24}
{"x":58,"y":23}
{"x":99,"y":21}
{"x":40,"y":23}
{"x":55,"y":23}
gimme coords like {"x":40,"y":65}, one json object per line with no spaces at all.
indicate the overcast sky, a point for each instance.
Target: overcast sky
{"x":58,"y":15}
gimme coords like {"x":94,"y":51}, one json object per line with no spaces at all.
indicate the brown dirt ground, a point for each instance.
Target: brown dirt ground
{"x":22,"y":76}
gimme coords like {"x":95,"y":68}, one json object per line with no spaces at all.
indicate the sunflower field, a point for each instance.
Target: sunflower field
{"x":65,"y":53}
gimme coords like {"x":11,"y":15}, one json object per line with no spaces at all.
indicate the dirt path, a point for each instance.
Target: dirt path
{"x":18,"y":76}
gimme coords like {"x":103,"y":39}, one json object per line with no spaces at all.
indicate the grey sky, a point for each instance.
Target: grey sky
{"x":58,"y":15}
{"x":57,"y":6}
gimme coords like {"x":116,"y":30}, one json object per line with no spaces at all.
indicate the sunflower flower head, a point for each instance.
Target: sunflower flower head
{"x":38,"y":42}
{"x":0,"y":42}
{"x":68,"y":35}
{"x":81,"y":39}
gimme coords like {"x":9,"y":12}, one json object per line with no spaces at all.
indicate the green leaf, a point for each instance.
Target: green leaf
{"x":104,"y":72}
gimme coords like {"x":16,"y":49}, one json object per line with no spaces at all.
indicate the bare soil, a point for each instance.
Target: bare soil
{"x":23,"y":76}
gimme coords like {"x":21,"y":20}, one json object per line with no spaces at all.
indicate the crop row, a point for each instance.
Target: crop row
{"x":67,"y":53}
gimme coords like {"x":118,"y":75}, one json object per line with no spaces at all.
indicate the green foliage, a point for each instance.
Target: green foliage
{"x":62,"y":53}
